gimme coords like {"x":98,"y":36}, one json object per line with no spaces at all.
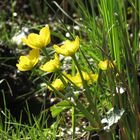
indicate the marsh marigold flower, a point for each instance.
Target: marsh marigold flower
{"x":75,"y":79}
{"x":88,"y":77}
{"x":104,"y":65}
{"x":51,"y":65}
{"x":26,"y":63}
{"x":38,"y":41}
{"x":57,"y":84}
{"x":68,"y":48}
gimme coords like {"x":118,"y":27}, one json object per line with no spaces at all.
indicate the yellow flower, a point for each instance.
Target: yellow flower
{"x":68,"y":48}
{"x":75,"y":79}
{"x":57,"y":84}
{"x":38,"y":41}
{"x":28,"y":62}
{"x":88,"y":77}
{"x":52,"y":65}
{"x":104,"y":65}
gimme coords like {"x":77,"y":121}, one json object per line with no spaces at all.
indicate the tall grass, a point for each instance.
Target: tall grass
{"x":108,"y":30}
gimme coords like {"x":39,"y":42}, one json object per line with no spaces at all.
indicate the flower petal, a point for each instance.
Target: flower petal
{"x":28,"y":62}
{"x":76,"y":44}
{"x":34,"y":40}
{"x":69,"y":47}
{"x":103,"y":65}
{"x":45,"y":35}
{"x":51,"y":65}
{"x":38,"y":41}
{"x":57,"y":84}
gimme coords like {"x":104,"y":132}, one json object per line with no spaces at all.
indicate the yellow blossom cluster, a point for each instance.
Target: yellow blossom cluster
{"x":38,"y":41}
{"x":76,"y":80}
{"x":88,"y":77}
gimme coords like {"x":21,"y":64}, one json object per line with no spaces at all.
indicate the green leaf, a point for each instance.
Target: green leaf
{"x":90,"y":128}
{"x":59,"y":107}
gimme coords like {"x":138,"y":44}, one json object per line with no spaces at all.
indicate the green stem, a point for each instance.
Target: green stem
{"x":88,"y":95}
{"x":45,"y":52}
{"x":56,"y":91}
{"x":73,"y":122}
{"x":86,"y":113}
